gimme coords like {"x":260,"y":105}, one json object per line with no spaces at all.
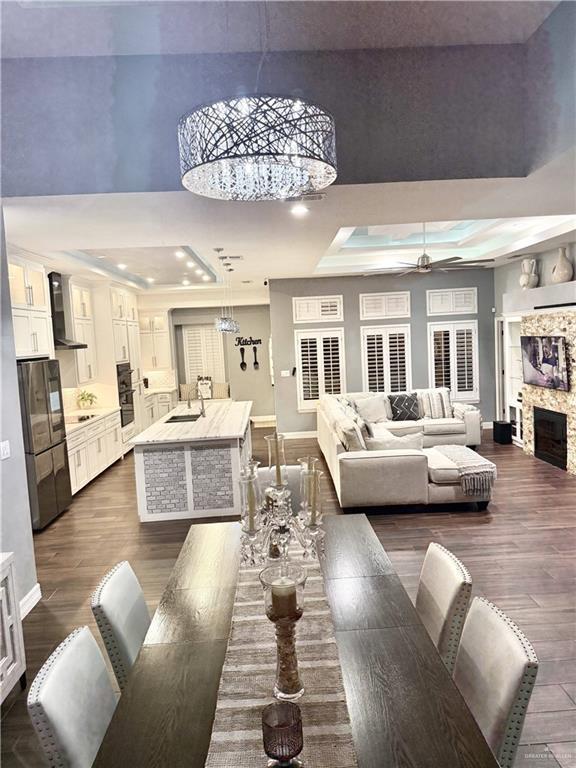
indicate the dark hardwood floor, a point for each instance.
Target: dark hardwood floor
{"x":521,"y":553}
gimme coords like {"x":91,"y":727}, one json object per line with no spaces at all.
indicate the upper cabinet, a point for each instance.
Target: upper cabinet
{"x":131,"y":306}
{"x":28,"y":285}
{"x":124,"y":304}
{"x":153,"y":322}
{"x":30,"y":300}
{"x":81,"y":301}
{"x":155,"y":341}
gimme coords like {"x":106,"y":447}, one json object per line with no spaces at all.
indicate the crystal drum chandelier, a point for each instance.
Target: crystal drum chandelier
{"x":257,"y":148}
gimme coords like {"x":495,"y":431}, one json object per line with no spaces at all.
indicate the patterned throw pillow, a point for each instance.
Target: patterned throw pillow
{"x":435,"y":403}
{"x":404,"y":407}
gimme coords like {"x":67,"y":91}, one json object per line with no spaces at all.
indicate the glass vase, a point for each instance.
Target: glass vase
{"x":251,"y":498}
{"x":283,"y":586}
{"x":277,"y":460}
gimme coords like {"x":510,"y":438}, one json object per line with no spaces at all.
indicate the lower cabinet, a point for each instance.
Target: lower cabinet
{"x":93,"y":448}
{"x":12,"y":659}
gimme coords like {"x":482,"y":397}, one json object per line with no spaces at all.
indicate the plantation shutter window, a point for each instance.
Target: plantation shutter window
{"x":203,"y":353}
{"x":380,"y":306}
{"x":320,"y":365}
{"x":453,"y":353}
{"x":386,"y":358}
{"x":318,"y":309}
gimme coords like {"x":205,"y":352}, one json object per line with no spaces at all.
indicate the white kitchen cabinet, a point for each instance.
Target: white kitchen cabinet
{"x":134,"y":350}
{"x":97,"y":459}
{"x":28,"y":285}
{"x":12,"y":658}
{"x":32,"y":333}
{"x":153,"y":322}
{"x":86,"y":361}
{"x":162,"y":356}
{"x":118,"y":298}
{"x":120,"y":329}
{"x":18,"y":285}
{"x":78,"y":463}
{"x":113,"y":440}
{"x":131,"y":306}
{"x":81,"y":302}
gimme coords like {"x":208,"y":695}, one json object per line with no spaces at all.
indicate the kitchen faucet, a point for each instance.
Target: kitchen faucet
{"x":202,"y":406}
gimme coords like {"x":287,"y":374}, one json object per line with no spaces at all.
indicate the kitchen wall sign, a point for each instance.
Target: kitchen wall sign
{"x":244,"y":341}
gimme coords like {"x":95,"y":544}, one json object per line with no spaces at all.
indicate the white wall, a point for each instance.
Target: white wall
{"x":15,"y":525}
{"x":506,"y":277}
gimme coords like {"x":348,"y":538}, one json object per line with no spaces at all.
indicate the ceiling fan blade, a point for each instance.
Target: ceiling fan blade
{"x":407,"y":263}
{"x":407,"y":272}
{"x":445,"y":261}
{"x":449,"y":267}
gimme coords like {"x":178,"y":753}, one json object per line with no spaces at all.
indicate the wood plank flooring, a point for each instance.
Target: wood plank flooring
{"x":521,"y":553}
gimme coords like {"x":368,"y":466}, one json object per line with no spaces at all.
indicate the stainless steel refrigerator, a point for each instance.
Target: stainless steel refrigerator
{"x":44,"y":440}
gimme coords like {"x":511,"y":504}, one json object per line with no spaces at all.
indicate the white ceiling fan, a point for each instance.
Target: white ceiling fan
{"x":424,"y":265}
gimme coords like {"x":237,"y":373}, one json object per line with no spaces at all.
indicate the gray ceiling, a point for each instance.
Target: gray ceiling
{"x":50,"y":28}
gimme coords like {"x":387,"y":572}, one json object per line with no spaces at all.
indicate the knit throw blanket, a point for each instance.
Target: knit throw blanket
{"x":477,"y":474}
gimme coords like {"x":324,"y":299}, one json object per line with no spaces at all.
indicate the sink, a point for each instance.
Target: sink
{"x":183,"y":417}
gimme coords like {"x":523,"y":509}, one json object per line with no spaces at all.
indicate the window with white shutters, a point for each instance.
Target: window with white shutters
{"x":452,"y":301}
{"x":203,"y":353}
{"x":380,"y":306}
{"x":318,"y":309}
{"x":386,"y":358}
{"x":453,"y":358}
{"x":320,"y":365}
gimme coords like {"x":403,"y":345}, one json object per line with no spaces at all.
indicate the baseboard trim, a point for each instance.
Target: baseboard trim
{"x":30,"y":600}
{"x":297,"y":435}
{"x":487,"y":425}
{"x":263,"y":419}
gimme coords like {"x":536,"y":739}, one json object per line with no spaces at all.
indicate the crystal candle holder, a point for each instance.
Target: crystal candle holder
{"x":311,"y":502}
{"x":277,"y":460}
{"x":284,"y":602}
{"x":251,"y":498}
{"x":282,"y":734}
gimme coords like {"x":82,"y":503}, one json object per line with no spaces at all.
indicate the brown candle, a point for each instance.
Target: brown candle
{"x":284,"y":602}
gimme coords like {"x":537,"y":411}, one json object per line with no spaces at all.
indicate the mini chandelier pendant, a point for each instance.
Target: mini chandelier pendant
{"x":257,"y":148}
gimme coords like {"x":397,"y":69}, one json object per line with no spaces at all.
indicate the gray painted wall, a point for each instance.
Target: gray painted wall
{"x":282,"y":291}
{"x":15,"y":525}
{"x":251,"y":384}
{"x":109,"y":123}
{"x":550,"y":123}
{"x":506,"y":277}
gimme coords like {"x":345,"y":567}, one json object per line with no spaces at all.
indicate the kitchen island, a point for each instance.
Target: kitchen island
{"x":188,"y":465}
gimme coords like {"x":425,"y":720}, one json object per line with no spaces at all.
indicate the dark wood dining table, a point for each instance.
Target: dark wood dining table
{"x":405,"y":710}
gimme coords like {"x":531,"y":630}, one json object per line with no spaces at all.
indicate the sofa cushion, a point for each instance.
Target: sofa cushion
{"x":396,"y":428}
{"x":443,"y":427}
{"x":404,"y":407}
{"x":350,"y":434}
{"x":440,"y":469}
{"x":374,"y":409}
{"x":392,"y":442}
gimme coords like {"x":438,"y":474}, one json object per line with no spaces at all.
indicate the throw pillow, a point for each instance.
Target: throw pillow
{"x":372,"y":409}
{"x":350,"y":435}
{"x":220,"y":391}
{"x":391,"y":443}
{"x":435,"y":403}
{"x":404,"y":407}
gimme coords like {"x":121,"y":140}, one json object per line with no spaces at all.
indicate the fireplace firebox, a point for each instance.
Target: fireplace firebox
{"x":550,"y":437}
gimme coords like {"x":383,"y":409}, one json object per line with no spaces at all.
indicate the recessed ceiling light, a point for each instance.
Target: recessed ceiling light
{"x":190,"y":264}
{"x":179,"y":254}
{"x":121,"y":266}
{"x":299,"y":209}
{"x":205,"y":278}
{"x":199,"y":271}
{"x":185,"y":282}
{"x":149,"y":279}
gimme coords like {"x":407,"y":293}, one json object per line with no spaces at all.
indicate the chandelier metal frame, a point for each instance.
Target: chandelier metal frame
{"x":257,"y":147}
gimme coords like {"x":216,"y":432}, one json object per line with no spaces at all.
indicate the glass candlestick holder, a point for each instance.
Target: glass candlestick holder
{"x":251,"y":498}
{"x":284,"y":602}
{"x":308,"y":462}
{"x":311,"y":501}
{"x":282,"y":734}
{"x":277,"y":460}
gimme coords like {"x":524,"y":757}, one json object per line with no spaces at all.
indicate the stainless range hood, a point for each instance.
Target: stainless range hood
{"x":61,"y":340}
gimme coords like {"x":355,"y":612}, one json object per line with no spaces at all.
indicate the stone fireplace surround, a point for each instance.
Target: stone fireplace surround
{"x":560,"y":323}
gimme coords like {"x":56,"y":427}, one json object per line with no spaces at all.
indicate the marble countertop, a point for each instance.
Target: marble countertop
{"x":159,"y":390}
{"x":225,"y":420}
{"x":96,"y":413}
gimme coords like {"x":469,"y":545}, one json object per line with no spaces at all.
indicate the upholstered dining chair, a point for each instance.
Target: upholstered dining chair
{"x":122,"y":616}
{"x":495,"y":671}
{"x":442,"y":600}
{"x":71,"y":702}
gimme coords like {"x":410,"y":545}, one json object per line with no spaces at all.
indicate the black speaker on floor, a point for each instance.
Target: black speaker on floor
{"x":502,"y":432}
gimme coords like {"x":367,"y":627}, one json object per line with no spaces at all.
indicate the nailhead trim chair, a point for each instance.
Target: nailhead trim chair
{"x":122,"y":616}
{"x":71,"y":702}
{"x":442,"y":600}
{"x":496,"y":671}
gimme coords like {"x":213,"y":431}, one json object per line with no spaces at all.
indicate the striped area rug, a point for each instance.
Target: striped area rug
{"x":248,"y":678}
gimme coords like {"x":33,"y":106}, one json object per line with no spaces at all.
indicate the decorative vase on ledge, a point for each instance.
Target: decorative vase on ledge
{"x":529,"y":276}
{"x":563,"y":270}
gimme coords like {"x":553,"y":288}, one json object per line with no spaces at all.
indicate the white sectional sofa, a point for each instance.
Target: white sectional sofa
{"x":410,"y":472}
